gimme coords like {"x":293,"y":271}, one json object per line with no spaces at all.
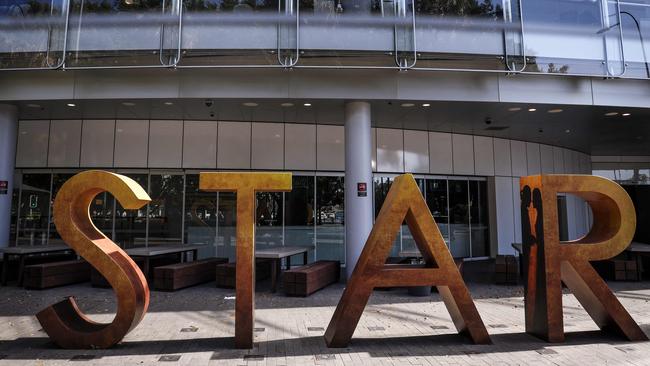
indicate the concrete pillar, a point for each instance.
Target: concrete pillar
{"x":358,"y":169}
{"x":8,"y":135}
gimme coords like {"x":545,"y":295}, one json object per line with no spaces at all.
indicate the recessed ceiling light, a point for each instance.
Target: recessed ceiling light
{"x":250,"y":104}
{"x":33,"y":105}
{"x":71,"y":105}
{"x":128,"y":104}
{"x":287,"y":104}
{"x":532,"y":109}
{"x":307,"y":104}
{"x":558,"y":110}
{"x":626,"y":114}
{"x":407,"y":105}
{"x":426,"y":105}
{"x":567,"y":131}
{"x":169,"y":103}
{"x":514,"y":109}
{"x":611,"y":114}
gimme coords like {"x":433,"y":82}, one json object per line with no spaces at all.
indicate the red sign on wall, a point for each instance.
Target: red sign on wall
{"x":362,"y":189}
{"x":4,"y":186}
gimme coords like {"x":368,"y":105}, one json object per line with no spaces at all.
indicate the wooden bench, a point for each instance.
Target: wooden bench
{"x":506,"y":270}
{"x":226,"y":272}
{"x":180,"y":275}
{"x":46,"y":275}
{"x":97,"y":280}
{"x":305,"y":280}
{"x":14,"y":265}
{"x":618,"y":269}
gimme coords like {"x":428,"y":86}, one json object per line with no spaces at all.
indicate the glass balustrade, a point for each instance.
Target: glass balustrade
{"x":239,"y":32}
{"x":605,"y":38}
{"x":123,"y":33}
{"x":32,"y":33}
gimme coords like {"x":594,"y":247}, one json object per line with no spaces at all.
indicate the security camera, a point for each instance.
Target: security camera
{"x":209,"y":103}
{"x":488,"y":121}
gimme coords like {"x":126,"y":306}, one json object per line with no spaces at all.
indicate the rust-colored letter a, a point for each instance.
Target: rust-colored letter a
{"x":404,"y":201}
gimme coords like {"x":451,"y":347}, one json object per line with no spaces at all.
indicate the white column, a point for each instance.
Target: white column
{"x":358,"y":169}
{"x":8,"y":134}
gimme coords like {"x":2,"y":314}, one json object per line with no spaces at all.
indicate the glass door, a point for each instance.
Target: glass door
{"x":480,"y":243}
{"x":437,"y":199}
{"x":200,"y":226}
{"x":34,"y":209}
{"x":131,"y":225}
{"x":165,"y":221}
{"x":459,"y":219}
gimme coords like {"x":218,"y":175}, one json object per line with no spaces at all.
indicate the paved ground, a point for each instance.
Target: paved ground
{"x":195,"y":327}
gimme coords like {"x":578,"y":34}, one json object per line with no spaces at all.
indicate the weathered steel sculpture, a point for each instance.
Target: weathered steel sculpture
{"x":549,"y":262}
{"x":245,"y":185}
{"x":66,"y":325}
{"x":404,"y":201}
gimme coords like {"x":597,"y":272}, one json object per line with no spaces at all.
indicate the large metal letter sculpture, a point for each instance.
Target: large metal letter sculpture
{"x":66,"y":325}
{"x":549,"y":262}
{"x":404,"y":200}
{"x":245,"y":185}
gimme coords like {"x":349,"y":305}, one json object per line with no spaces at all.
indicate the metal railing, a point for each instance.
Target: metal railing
{"x":401,"y":22}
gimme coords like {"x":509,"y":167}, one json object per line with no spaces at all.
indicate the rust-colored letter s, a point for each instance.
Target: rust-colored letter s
{"x":66,"y":325}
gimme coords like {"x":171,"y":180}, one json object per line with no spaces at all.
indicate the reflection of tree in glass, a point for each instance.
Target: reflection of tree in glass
{"x":330,"y":193}
{"x":229,"y":5}
{"x":459,"y":8}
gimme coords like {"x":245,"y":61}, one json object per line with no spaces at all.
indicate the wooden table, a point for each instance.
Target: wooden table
{"x":147,"y":253}
{"x":22,"y":252}
{"x":276,"y":254}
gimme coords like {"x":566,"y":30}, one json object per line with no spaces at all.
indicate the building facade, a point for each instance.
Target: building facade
{"x":468,"y":96}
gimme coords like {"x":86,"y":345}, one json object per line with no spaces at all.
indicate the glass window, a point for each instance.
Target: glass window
{"x":227,"y":225}
{"x":382,"y":186}
{"x":479,"y":218}
{"x":200,"y":217}
{"x":131,"y":225}
{"x":438,"y":204}
{"x":408,"y":243}
{"x":459,"y":242}
{"x":610,"y":174}
{"x":58,"y":179}
{"x":15,"y":195}
{"x":34,"y":209}
{"x":330,"y":218}
{"x":165,"y":209}
{"x":268,"y":220}
{"x":299,"y":214}
{"x":101,"y":213}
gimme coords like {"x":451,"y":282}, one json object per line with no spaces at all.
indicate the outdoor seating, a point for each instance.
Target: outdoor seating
{"x":618,"y":269}
{"x":506,"y":270}
{"x":180,"y":275}
{"x":305,"y":280}
{"x":14,"y":265}
{"x":226,"y":272}
{"x":47,"y":275}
